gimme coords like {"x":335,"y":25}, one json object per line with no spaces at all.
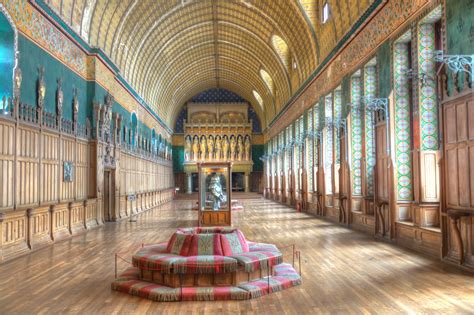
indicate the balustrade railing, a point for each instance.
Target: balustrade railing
{"x":50,"y":120}
{"x":28,"y":113}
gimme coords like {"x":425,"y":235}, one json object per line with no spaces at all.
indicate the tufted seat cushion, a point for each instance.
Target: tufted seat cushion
{"x":253,"y":261}
{"x":234,"y":243}
{"x":154,"y":257}
{"x":179,"y":244}
{"x":205,"y":244}
{"x":205,"y":264}
{"x":262,"y":247}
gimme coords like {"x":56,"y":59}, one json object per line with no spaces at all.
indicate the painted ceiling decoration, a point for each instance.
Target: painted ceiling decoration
{"x":171,"y":50}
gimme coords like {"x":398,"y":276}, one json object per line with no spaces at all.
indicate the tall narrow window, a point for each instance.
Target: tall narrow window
{"x":300,"y":150}
{"x":296,"y":154}
{"x":287,"y":160}
{"x":328,"y":144}
{"x":427,"y":89}
{"x":258,"y":98}
{"x":268,"y":80}
{"x":325,"y":12}
{"x":356,"y":134}
{"x":281,"y":157}
{"x":370,"y":78}
{"x":309,"y":151}
{"x":282,"y":49}
{"x":337,"y":136}
{"x":316,"y":128}
{"x":403,"y":145}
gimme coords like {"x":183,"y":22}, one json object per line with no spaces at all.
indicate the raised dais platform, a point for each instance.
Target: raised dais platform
{"x":206,"y":264}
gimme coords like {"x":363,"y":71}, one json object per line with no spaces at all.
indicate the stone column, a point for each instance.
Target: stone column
{"x":247,"y":182}
{"x":189,"y":183}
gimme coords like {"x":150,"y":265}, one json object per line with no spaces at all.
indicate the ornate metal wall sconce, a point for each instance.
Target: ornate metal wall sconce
{"x":380,"y":104}
{"x":355,"y":108}
{"x":422,"y":77}
{"x":457,"y":63}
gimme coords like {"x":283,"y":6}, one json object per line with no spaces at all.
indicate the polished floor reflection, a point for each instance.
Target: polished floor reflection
{"x":343,"y":271}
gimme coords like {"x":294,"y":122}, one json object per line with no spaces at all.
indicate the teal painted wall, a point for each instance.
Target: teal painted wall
{"x":257,"y":153}
{"x":7,"y":58}
{"x":460,"y":27}
{"x":383,"y":62}
{"x":32,"y":57}
{"x":178,"y":158}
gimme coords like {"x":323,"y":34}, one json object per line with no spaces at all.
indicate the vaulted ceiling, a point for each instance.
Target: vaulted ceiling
{"x":170,"y":50}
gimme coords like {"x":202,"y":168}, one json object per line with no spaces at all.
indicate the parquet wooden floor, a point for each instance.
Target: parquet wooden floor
{"x":343,"y":271}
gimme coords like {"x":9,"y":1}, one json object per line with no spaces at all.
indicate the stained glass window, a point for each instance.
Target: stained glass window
{"x":309,"y":151}
{"x":370,"y":77}
{"x":356,"y":135}
{"x":328,"y":144}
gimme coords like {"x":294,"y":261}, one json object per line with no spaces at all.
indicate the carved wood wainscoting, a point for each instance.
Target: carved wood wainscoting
{"x":42,"y":203}
{"x":458,"y":166}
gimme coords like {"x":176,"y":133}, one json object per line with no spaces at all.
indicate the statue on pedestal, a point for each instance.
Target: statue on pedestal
{"x":232,"y":147}
{"x":240,"y":148}
{"x":196,"y":148}
{"x":216,"y":194}
{"x":225,"y":148}
{"x":210,"y":147}
{"x":203,"y":147}
{"x":187,"y":148}
{"x":247,"y":148}
{"x":217,"y":151}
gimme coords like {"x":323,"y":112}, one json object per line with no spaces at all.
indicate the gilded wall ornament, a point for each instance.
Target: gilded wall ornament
{"x":59,"y":100}
{"x":75,"y":105}
{"x":18,"y":78}
{"x":41,"y":89}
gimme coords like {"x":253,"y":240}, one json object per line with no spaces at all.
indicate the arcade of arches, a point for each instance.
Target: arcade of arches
{"x":348,"y":125}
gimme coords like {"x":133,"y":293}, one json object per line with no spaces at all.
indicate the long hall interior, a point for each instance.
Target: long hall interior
{"x":237,"y":156}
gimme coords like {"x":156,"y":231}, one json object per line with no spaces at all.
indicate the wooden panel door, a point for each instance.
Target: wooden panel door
{"x":458,"y":126}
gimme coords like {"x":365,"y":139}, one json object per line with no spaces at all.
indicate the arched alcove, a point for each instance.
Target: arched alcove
{"x":134,"y":126}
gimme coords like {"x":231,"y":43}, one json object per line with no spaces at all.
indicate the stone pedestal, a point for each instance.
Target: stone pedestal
{"x":247,"y":182}
{"x":189,"y":183}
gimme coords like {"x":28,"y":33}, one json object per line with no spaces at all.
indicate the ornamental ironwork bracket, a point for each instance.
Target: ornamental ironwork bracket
{"x":357,"y":109}
{"x":376,"y":104}
{"x":457,"y":63}
{"x":422,"y":77}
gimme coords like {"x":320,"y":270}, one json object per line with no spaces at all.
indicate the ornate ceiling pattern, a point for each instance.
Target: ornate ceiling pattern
{"x":170,"y":50}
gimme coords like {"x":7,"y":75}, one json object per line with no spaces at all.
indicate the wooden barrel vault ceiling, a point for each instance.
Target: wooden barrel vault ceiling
{"x":170,"y":50}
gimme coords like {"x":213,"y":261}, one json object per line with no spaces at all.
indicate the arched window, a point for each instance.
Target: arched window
{"x":268,"y":80}
{"x":310,"y":8}
{"x":326,"y":12}
{"x":7,"y":58}
{"x":282,"y":49}
{"x":133,"y":131}
{"x":258,"y":98}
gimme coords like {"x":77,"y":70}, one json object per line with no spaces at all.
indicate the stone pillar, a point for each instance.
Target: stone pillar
{"x":247,"y":182}
{"x":189,"y":183}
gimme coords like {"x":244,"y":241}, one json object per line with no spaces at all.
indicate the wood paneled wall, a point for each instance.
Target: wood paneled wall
{"x":37,"y":207}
